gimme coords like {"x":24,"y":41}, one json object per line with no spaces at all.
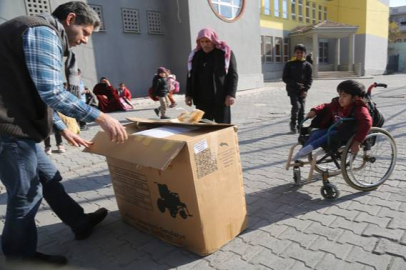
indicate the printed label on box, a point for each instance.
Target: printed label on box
{"x":200,"y":146}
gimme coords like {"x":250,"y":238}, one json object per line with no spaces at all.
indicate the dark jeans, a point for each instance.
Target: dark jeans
{"x":58,"y":139}
{"x":297,"y":112}
{"x":220,"y":114}
{"x":28,"y":175}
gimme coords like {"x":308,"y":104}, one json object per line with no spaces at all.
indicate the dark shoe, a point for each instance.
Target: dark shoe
{"x":165,"y":117}
{"x":84,"y":128}
{"x":156,"y":112}
{"x":292,"y":127}
{"x":94,"y":219}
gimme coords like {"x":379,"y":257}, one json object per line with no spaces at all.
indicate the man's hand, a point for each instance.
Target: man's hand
{"x":112,"y":127}
{"x":229,"y":100}
{"x":311,"y":114}
{"x":74,"y":139}
{"x":355,"y":147}
{"x":189,"y":101}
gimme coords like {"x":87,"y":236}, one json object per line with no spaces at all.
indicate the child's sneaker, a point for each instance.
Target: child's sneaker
{"x":173,"y":105}
{"x":156,"y":112}
{"x":303,"y":152}
{"x":48,"y":151}
{"x":61,"y":149}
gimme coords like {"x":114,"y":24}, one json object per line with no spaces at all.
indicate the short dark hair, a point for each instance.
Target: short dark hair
{"x":300,"y":47}
{"x":102,"y":78}
{"x":352,"y":88}
{"x":85,"y":15}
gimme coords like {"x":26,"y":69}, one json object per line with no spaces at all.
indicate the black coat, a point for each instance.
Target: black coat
{"x":296,"y":72}
{"x":160,"y":86}
{"x":225,"y":84}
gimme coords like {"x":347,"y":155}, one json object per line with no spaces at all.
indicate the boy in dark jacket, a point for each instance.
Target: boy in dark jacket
{"x":161,"y":91}
{"x":298,"y":77}
{"x":348,"y":104}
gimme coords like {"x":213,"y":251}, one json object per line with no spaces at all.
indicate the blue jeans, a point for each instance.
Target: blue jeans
{"x":28,"y":174}
{"x":319,"y":138}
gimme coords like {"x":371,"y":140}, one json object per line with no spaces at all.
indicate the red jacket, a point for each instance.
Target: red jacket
{"x":332,"y":112}
{"x":125,"y":93}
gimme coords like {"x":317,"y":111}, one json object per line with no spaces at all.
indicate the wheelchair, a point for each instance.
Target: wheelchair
{"x":171,"y":201}
{"x":365,"y":171}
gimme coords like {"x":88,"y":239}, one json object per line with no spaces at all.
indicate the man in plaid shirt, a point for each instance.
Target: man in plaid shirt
{"x":31,"y":64}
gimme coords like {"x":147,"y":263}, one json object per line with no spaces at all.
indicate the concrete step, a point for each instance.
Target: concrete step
{"x":330,"y":75}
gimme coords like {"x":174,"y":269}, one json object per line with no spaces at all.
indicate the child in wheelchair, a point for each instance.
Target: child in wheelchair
{"x":349,"y":104}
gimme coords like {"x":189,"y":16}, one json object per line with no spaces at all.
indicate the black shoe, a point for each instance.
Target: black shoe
{"x":84,"y":128}
{"x":156,"y":112}
{"x":292,"y":127}
{"x":165,"y":117}
{"x":94,"y":219}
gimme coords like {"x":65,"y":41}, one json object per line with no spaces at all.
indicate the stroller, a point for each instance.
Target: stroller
{"x":365,"y":171}
{"x":171,"y":201}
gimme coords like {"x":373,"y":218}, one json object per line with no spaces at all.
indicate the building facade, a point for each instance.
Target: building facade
{"x":342,"y":34}
{"x":139,"y":36}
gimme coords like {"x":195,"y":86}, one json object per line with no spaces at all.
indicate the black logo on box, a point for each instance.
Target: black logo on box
{"x":171,"y":201}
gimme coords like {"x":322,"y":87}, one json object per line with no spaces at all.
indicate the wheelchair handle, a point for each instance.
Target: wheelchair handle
{"x":381,"y":85}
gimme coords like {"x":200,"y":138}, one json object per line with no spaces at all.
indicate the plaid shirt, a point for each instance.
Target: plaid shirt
{"x":43,"y":57}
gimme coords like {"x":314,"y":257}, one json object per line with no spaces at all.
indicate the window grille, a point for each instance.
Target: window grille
{"x":34,"y":7}
{"x":99,"y":11}
{"x":154,"y":22}
{"x":130,"y":19}
{"x":293,"y":9}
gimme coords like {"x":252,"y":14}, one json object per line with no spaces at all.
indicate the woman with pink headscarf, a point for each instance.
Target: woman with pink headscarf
{"x":212,"y":77}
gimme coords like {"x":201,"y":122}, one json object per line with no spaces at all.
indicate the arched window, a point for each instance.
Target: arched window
{"x":227,"y":10}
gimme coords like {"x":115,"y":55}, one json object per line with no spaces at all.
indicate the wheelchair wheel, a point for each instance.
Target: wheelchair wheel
{"x":182,"y":213}
{"x":173,"y":213}
{"x":161,"y":205}
{"x":373,"y":164}
{"x":325,"y":165}
{"x":329,"y":191}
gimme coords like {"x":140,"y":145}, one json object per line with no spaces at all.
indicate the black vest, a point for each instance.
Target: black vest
{"x":23,"y":114}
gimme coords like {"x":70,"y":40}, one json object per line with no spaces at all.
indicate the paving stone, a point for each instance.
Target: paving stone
{"x":391,"y":234}
{"x":397,"y":264}
{"x":339,"y":251}
{"x":269,"y":259}
{"x":392,"y":204}
{"x":342,"y":223}
{"x":336,"y":211}
{"x":308,"y":257}
{"x":325,"y":220}
{"x":365,"y":217}
{"x":329,"y":262}
{"x":367,"y":243}
{"x":370,"y":209}
{"x":378,"y":262}
{"x":386,"y":246}
{"x":303,"y":239}
{"x":318,"y":229}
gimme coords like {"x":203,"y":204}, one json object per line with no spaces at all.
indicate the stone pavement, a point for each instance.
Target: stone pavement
{"x":289,"y":227}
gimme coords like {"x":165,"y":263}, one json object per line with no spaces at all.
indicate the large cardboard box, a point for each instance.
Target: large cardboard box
{"x":180,"y":182}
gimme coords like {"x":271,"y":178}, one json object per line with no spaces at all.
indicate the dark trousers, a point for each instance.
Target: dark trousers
{"x":297,"y":112}
{"x":220,"y":114}
{"x":29,"y":175}
{"x":58,"y":139}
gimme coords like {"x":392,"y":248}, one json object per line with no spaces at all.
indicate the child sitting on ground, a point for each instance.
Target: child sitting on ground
{"x":349,"y":104}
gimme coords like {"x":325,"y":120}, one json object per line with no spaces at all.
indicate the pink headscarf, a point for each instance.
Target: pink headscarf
{"x":212,"y":36}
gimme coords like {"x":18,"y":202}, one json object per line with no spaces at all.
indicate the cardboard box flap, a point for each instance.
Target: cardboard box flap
{"x":141,"y":150}
{"x":172,"y":122}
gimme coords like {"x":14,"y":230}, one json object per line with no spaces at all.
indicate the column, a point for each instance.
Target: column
{"x":315,"y":55}
{"x":351,"y":53}
{"x":337,"y":55}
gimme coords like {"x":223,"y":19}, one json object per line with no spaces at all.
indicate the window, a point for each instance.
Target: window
{"x":267,"y":49}
{"x":228,"y":10}
{"x":320,"y":9}
{"x":285,"y":50}
{"x":278,"y":50}
{"x":293,"y":9}
{"x":325,"y":13}
{"x":314,"y":13}
{"x":323,"y":52}
{"x":130,"y":19}
{"x":276,"y":8}
{"x":307,"y":11}
{"x":154,"y":22}
{"x":34,"y":7}
{"x":99,"y":11}
{"x":267,"y":7}
{"x":285,"y":9}
{"x":300,"y":11}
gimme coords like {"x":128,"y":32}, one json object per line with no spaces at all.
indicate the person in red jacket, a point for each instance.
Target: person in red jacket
{"x":123,"y":91}
{"x":109,"y":101}
{"x":349,"y":104}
